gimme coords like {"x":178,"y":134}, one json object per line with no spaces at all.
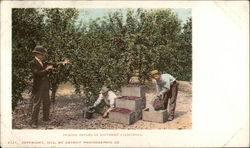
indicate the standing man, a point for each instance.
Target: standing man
{"x":167,"y":88}
{"x":105,"y":102}
{"x":41,"y":86}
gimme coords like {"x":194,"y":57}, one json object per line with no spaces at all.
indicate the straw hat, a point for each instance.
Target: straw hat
{"x":153,"y":72}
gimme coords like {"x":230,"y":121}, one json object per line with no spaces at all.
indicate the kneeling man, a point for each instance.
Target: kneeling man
{"x":105,"y":102}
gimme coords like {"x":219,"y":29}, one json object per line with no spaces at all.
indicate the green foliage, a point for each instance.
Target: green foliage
{"x":107,"y":50}
{"x":184,"y":54}
{"x":52,"y":28}
{"x":58,"y":38}
{"x":26,"y":30}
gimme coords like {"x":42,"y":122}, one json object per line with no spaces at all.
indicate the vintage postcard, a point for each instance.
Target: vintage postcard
{"x":124,"y":73}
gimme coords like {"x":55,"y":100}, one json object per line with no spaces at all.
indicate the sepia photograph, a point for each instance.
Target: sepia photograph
{"x":96,"y":68}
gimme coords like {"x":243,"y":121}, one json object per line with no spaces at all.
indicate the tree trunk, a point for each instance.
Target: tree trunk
{"x":53,"y":93}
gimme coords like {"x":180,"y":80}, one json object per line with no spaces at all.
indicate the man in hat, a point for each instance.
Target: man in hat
{"x":105,"y":102}
{"x":167,"y":88}
{"x":41,"y":86}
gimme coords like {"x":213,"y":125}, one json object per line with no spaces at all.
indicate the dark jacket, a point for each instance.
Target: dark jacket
{"x":39,"y":74}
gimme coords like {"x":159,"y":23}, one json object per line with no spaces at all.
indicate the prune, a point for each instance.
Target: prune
{"x":122,"y":110}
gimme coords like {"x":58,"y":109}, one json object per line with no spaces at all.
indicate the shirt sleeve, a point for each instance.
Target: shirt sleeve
{"x":98,"y":101}
{"x":156,"y":86}
{"x":112,"y":102}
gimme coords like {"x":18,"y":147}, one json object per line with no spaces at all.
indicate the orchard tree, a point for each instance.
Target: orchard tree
{"x":27,"y":31}
{"x":105,"y":51}
{"x":122,"y":42}
{"x":59,"y":40}
{"x":184,"y":53}
{"x":52,"y":28}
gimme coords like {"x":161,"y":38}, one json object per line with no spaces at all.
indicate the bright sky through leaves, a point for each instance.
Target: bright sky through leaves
{"x":92,"y":13}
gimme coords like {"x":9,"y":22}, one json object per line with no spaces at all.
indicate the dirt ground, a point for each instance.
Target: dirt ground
{"x":67,"y":112}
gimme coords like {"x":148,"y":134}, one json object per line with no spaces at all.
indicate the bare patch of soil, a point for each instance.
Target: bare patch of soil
{"x":67,"y":112}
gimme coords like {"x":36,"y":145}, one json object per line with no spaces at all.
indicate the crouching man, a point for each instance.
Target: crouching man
{"x":105,"y":102}
{"x":167,"y":88}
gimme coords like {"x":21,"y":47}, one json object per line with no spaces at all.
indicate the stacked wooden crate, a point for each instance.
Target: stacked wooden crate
{"x":129,"y":107}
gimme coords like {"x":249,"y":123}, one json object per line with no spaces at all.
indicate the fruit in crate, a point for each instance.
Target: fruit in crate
{"x":129,"y":97}
{"x":122,"y":110}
